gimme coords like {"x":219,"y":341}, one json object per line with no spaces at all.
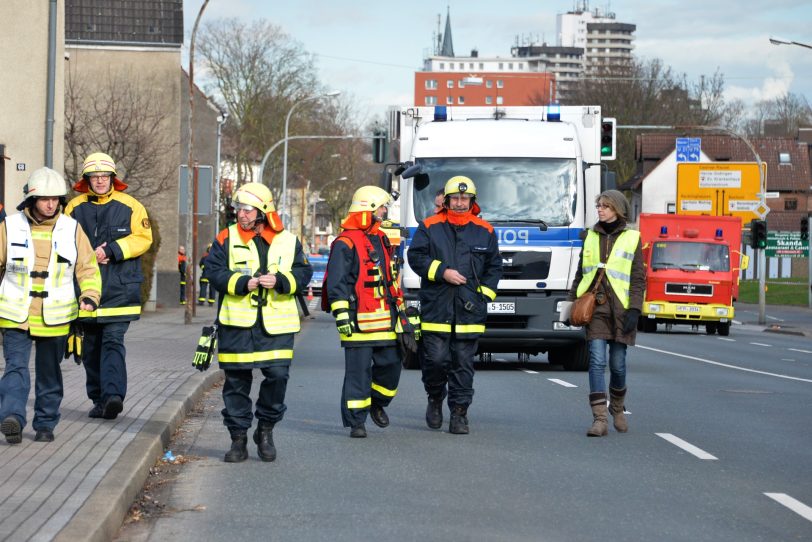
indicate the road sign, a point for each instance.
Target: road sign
{"x":688,"y":149}
{"x":205,"y":184}
{"x":786,"y":244}
{"x":721,"y":189}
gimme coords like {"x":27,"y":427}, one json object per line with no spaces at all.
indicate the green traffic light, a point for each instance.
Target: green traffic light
{"x":606,"y":151}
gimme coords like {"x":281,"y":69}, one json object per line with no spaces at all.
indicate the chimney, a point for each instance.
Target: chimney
{"x":474,"y":53}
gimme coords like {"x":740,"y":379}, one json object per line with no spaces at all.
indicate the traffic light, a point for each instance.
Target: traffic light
{"x":379,"y":146}
{"x":758,"y":234}
{"x":805,"y":228}
{"x":608,"y":131}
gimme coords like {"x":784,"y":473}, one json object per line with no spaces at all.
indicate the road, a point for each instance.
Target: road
{"x":719,"y":449}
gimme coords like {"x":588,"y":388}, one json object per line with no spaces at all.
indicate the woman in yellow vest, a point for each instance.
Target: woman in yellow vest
{"x":610,"y":245}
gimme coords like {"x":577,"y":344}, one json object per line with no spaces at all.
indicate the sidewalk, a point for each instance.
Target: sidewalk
{"x":80,"y":486}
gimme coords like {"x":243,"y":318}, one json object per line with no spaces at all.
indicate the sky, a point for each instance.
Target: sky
{"x":370,"y":49}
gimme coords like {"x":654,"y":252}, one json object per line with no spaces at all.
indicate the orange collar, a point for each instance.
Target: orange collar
{"x":267,"y":233}
{"x":361,"y":220}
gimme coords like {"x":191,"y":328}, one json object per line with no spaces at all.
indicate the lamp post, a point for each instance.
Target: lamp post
{"x":781,"y":41}
{"x":221,"y":119}
{"x":283,"y":206}
{"x":318,"y":199}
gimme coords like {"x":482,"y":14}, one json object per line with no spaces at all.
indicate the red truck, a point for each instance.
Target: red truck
{"x":692,"y":270}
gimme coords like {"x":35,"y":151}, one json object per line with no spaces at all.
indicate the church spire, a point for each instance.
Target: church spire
{"x":448,"y":45}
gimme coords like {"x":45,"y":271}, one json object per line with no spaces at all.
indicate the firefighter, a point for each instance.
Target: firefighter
{"x":456,"y":255}
{"x":257,"y":267}
{"x":182,"y":260}
{"x":206,"y":291}
{"x":363,"y":295}
{"x":119,"y":229}
{"x":38,"y":301}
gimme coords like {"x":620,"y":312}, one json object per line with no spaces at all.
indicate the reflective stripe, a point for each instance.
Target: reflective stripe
{"x":254,"y":357}
{"x":488,"y":292}
{"x":439,"y":328}
{"x":340,"y":304}
{"x":112,"y":311}
{"x":433,"y":269}
{"x":384,"y":391}
{"x":292,"y":280}
{"x":37,"y":328}
{"x":232,"y":283}
{"x":368,"y":337}
{"x":379,"y":320}
{"x":469,"y":328}
{"x":360,"y":403}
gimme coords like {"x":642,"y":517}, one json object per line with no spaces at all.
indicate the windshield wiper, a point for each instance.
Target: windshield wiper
{"x":662,"y":265}
{"x":542,"y":225}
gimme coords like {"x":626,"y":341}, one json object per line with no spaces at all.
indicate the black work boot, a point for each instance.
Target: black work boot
{"x":12,"y":429}
{"x":239,"y":449}
{"x":263,"y":438}
{"x":44,"y":435}
{"x":358,"y":431}
{"x":112,"y":407}
{"x":96,"y":412}
{"x":459,"y":421}
{"x":434,"y":412}
{"x":378,"y":415}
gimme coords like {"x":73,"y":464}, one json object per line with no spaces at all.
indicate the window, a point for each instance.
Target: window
{"x":499,"y":100}
{"x":488,"y":84}
{"x":488,"y":100}
{"x":442,"y":65}
{"x":791,"y":204}
{"x":449,"y":84}
{"x":431,"y":100}
{"x":521,"y":65}
{"x":470,"y":65}
{"x":462,"y":65}
{"x":784,"y":158}
{"x":500,"y":83}
{"x":510,"y":65}
{"x":481,"y":66}
{"x":461,"y":100}
{"x":460,"y":84}
{"x":501,"y":66}
{"x":449,"y":100}
{"x":431,"y":84}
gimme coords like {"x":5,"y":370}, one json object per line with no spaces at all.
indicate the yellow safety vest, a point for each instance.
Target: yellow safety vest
{"x":618,"y":265}
{"x":280,"y":314}
{"x":59,"y":304}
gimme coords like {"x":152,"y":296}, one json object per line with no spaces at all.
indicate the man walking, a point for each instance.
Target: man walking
{"x":119,"y":230}
{"x":41,"y":252}
{"x":257,"y":267}
{"x":457,"y":257}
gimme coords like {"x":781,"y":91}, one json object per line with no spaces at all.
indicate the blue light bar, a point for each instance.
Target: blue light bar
{"x":663,"y":231}
{"x":440,"y":113}
{"x":718,"y":233}
{"x":554,"y":113}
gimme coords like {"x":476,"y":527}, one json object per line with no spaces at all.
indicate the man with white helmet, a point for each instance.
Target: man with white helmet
{"x":41,"y":252}
{"x":119,"y":230}
{"x":456,"y":254}
{"x":257,"y":267}
{"x":362,"y":291}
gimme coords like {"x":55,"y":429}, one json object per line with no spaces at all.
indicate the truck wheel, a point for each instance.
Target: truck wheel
{"x":710,"y":329}
{"x":649,"y":325}
{"x":411,"y":361}
{"x":575,"y":358}
{"x":723,"y":328}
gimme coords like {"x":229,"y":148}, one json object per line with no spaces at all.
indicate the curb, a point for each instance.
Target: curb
{"x":785,"y":331}
{"x":102,"y":515}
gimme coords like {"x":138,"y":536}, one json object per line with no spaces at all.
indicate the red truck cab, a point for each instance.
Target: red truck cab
{"x":692,"y":270}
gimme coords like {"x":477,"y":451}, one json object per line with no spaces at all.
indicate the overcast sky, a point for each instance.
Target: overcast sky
{"x":370,"y":49}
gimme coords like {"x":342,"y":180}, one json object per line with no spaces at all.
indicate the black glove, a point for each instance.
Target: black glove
{"x":632,"y":315}
{"x":343,"y":323}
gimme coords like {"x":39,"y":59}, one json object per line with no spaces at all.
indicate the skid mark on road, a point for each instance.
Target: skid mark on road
{"x":719,"y":364}
{"x":687,"y":446}
{"x":793,"y":504}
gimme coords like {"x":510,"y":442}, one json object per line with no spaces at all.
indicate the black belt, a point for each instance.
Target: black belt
{"x":43,"y":295}
{"x":39,"y":274}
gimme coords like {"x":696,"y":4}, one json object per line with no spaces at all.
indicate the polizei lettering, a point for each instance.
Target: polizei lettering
{"x":510,"y":236}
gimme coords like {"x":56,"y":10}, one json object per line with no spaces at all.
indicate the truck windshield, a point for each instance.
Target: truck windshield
{"x":512,"y":189}
{"x":689,"y":256}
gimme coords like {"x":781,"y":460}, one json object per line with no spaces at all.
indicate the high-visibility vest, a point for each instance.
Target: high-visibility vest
{"x":618,"y":265}
{"x":59,"y":304}
{"x":280,"y":314}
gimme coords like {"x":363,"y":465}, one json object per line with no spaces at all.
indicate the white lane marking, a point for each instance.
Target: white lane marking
{"x":562,"y":383}
{"x":793,"y":504}
{"x":724,"y":364}
{"x":528,"y":371}
{"x":687,"y":446}
{"x":760,"y":344}
{"x":787,"y":359}
{"x":726,"y":339}
{"x":799,"y":350}
{"x":737,"y":322}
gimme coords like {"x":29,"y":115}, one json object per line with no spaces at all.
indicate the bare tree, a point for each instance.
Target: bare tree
{"x":125,"y":121}
{"x":786,"y":113}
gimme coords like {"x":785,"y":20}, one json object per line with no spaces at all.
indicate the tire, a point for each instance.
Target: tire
{"x":723,"y":328}
{"x":710,"y":329}
{"x":575,"y":358}
{"x":649,"y":325}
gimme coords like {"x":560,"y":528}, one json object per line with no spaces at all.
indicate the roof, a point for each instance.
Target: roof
{"x":124,"y":22}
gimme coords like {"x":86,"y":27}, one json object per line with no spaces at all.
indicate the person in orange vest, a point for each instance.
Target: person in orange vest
{"x":182,"y":259}
{"x":206,"y":292}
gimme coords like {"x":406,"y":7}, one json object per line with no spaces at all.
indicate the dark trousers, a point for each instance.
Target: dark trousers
{"x":448,"y":367}
{"x":206,"y":292}
{"x":16,"y":381}
{"x":371,"y":375}
{"x":104,"y":360}
{"x":182,"y":290}
{"x":270,"y":401}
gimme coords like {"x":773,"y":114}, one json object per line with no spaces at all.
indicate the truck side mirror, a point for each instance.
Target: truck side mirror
{"x":421,"y":181}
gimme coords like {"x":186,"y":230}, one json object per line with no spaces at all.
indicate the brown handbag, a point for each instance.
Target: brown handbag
{"x":584,"y":306}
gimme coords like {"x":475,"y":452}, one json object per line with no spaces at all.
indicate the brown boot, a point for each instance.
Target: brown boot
{"x":600,"y":415}
{"x":616,"y":398}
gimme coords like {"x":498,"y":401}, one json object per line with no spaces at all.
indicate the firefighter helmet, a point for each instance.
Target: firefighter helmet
{"x":459,"y":185}
{"x":45,"y":182}
{"x":256,"y":195}
{"x":98,"y":162}
{"x":369,"y":198}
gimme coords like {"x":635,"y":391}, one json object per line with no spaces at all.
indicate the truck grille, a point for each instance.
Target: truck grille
{"x":679,"y":288}
{"x":497,"y":321}
{"x":525,"y":265}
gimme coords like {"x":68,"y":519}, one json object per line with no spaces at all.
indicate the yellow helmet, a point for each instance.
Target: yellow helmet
{"x":459,"y":185}
{"x":98,"y":161}
{"x":369,"y":198}
{"x":256,"y":195}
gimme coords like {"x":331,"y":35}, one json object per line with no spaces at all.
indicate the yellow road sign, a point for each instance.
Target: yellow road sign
{"x":721,"y":189}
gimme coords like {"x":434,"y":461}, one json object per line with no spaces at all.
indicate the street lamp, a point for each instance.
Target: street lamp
{"x":221,"y":119}
{"x":781,"y":41}
{"x":283,"y":207}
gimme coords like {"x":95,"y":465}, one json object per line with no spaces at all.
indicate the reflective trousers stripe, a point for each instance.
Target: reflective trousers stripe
{"x":384,"y":391}
{"x":360,"y":403}
{"x":254,"y":357}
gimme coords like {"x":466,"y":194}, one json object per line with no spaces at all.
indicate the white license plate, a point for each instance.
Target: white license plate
{"x":687,"y":308}
{"x":502,"y":308}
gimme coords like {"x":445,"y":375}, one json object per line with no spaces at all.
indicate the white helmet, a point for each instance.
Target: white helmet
{"x":42,"y":183}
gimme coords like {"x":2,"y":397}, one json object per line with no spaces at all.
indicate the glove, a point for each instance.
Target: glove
{"x":74,"y":345}
{"x":414,"y":318}
{"x":343,"y":323}
{"x":205,"y":349}
{"x":632,"y":315}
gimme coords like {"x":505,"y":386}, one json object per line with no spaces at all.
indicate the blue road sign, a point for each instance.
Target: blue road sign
{"x":688,"y":149}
